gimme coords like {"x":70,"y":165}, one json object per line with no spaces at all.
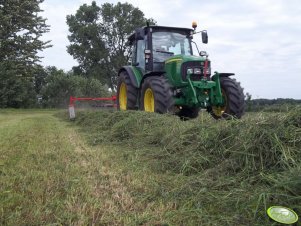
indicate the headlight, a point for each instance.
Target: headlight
{"x":197,"y":71}
{"x":189,"y":71}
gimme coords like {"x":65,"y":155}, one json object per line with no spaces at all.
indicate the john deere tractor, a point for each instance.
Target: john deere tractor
{"x":165,"y":76}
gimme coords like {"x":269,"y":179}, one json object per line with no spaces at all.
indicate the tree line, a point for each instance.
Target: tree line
{"x":98,"y":36}
{"x":271,"y":105}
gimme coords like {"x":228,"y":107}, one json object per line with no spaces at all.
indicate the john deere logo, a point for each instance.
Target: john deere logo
{"x":173,"y":60}
{"x":282,"y":215}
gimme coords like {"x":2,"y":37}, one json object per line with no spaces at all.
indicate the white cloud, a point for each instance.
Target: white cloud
{"x":258,"y":40}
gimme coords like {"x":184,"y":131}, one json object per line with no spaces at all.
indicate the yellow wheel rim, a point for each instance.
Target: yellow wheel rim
{"x":149,"y":100}
{"x":122,"y":96}
{"x":218,"y":110}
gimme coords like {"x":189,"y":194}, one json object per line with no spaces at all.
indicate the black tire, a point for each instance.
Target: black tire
{"x":163,"y":98}
{"x":131,"y":92}
{"x":234,"y":97}
{"x":188,"y":113}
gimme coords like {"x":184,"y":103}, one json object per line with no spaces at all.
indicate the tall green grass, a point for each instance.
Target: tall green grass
{"x":228,"y":172}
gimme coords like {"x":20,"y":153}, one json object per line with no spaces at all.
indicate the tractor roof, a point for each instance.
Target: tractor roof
{"x":131,"y":38}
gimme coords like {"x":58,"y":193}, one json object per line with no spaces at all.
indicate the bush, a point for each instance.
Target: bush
{"x":16,"y":90}
{"x":60,"y":86}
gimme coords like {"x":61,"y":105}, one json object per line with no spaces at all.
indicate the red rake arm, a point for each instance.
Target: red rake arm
{"x":73,"y":99}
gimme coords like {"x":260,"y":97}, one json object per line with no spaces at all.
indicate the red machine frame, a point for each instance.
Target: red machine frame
{"x":72,"y":100}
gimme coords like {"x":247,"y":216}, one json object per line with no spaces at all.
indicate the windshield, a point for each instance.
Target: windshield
{"x":167,"y":44}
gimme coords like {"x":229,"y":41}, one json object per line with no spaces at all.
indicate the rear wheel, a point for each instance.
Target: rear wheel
{"x":188,"y":113}
{"x":234,"y":100}
{"x":126,"y":93}
{"x":156,"y":95}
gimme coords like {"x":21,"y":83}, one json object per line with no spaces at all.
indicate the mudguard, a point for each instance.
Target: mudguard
{"x":225,"y":74}
{"x":134,"y":74}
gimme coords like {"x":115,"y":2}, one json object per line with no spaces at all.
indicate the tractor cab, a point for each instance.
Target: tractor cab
{"x":153,"y":45}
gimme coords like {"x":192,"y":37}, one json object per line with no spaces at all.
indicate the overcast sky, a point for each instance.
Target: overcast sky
{"x":260,"y":41}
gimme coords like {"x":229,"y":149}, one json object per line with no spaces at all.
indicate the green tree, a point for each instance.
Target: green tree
{"x":40,"y":76}
{"x":248,"y":101}
{"x":21,"y":28}
{"x":98,"y":38}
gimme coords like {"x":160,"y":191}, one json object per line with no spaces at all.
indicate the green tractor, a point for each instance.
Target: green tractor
{"x":165,"y":77}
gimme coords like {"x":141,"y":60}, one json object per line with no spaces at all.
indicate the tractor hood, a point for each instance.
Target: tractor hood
{"x":176,"y":68}
{"x":182,"y":59}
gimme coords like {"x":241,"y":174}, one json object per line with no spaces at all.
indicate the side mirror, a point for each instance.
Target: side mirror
{"x":204,"y":37}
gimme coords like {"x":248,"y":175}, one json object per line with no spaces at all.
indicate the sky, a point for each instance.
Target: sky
{"x":259,"y":41}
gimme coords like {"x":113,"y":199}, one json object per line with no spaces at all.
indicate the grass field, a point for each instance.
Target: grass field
{"x":134,"y":168}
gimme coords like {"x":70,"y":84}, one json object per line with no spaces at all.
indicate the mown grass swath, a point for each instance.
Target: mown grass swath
{"x":232,"y":170}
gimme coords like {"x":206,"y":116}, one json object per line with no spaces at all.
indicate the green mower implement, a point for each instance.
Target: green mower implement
{"x":165,"y":77}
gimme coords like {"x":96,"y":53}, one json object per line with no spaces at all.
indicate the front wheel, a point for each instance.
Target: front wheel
{"x":156,"y":95}
{"x":234,"y":100}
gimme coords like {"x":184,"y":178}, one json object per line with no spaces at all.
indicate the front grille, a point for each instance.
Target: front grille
{"x":193,"y":64}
